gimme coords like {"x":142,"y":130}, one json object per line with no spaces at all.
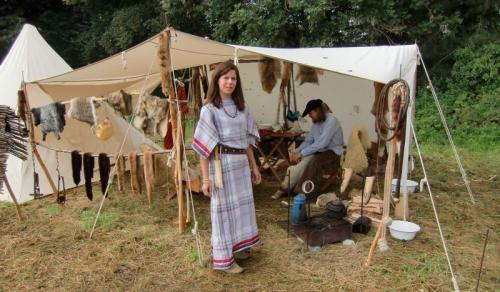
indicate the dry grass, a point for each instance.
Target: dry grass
{"x":136,"y":247}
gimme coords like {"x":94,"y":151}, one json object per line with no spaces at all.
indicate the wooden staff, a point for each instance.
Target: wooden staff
{"x":372,"y":247}
{"x":167,"y":86}
{"x":13,"y":197}
{"x":31,"y":130}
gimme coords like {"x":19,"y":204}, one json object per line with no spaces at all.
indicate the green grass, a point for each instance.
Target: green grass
{"x":108,"y":220}
{"x":54,"y":210}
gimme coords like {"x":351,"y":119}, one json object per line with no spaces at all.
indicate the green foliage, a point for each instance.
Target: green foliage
{"x":471,"y":102}
{"x":54,"y":210}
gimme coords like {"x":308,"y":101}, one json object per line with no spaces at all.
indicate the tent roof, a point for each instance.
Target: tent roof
{"x":129,"y":68}
{"x":31,"y":58}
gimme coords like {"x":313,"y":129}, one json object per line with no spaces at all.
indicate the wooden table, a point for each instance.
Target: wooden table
{"x":277,"y":139}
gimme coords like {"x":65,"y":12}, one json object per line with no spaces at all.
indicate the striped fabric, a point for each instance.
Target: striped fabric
{"x":234,"y":226}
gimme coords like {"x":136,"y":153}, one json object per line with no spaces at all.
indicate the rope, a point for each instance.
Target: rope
{"x":453,"y":279}
{"x":112,"y":173}
{"x":448,"y":133}
{"x":97,"y":155}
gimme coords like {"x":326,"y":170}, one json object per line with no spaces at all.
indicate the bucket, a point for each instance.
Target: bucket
{"x":403,"y":230}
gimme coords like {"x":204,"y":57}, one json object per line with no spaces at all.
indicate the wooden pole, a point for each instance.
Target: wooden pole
{"x":13,"y":197}
{"x":372,"y":247}
{"x":167,"y":86}
{"x":31,"y":129}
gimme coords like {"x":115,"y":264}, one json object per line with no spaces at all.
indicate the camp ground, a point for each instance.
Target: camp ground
{"x":349,"y":79}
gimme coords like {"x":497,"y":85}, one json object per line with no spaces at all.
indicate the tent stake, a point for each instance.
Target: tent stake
{"x":13,"y":197}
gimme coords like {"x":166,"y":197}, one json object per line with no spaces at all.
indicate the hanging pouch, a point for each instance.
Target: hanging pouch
{"x":104,"y":129}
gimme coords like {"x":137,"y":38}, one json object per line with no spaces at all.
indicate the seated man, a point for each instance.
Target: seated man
{"x":319,"y":153}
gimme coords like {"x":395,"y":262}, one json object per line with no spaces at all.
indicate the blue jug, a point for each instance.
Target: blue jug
{"x":298,"y":209}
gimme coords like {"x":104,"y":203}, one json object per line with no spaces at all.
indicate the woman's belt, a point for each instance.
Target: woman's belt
{"x":230,"y":150}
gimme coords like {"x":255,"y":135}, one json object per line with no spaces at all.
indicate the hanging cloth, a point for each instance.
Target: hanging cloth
{"x":88,"y":173}
{"x":168,"y":140}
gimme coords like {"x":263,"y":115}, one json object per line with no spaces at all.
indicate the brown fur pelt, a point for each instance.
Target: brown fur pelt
{"x":196,"y":89}
{"x":148,"y":173}
{"x":355,"y":155}
{"x":121,"y":102}
{"x":104,"y":169}
{"x":286,"y":72}
{"x":269,"y":72}
{"x":120,"y":172}
{"x":134,"y":182}
{"x":308,"y":75}
{"x":152,"y":115}
{"x":21,"y":105}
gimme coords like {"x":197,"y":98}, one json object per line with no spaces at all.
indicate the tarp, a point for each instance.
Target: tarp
{"x":126,"y":69}
{"x":31,"y":58}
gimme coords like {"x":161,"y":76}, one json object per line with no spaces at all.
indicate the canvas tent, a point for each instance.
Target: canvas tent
{"x":31,"y":58}
{"x":347,"y":85}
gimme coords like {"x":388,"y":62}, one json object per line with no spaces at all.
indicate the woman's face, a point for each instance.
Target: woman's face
{"x":227,"y":83}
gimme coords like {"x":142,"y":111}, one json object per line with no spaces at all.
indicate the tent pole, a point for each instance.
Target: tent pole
{"x":168,"y":89}
{"x":13,"y":197}
{"x":31,"y":136}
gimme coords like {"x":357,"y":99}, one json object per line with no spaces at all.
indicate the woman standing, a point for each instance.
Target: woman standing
{"x":226,"y":122}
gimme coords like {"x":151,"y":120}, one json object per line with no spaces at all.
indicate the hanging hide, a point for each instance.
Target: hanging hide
{"x":308,"y":75}
{"x":120,"y":172}
{"x":355,"y":155}
{"x":148,"y":174}
{"x":76,"y":166}
{"x":121,"y":102}
{"x":134,"y":182}
{"x":196,"y":89}
{"x":104,"y":169}
{"x":88,"y":173}
{"x":21,"y":105}
{"x":269,"y":72}
{"x":50,"y":118}
{"x":82,"y":109}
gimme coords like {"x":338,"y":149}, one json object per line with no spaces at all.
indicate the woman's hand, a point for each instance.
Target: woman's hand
{"x":206,"y":188}
{"x":256,"y":177}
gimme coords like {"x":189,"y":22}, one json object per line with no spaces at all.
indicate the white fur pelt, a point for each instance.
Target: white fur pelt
{"x":83,"y":110}
{"x":355,"y":155}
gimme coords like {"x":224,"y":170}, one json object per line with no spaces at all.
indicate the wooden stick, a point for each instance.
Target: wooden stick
{"x":180,"y":194}
{"x":31,"y":130}
{"x":13,"y":197}
{"x":374,"y":243}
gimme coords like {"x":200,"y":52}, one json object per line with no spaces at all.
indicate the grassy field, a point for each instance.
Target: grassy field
{"x":137,"y":247}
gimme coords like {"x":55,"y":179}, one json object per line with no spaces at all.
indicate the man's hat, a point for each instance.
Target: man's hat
{"x":312,"y":105}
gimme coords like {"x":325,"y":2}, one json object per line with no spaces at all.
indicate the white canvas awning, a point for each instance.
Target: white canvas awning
{"x":129,"y":68}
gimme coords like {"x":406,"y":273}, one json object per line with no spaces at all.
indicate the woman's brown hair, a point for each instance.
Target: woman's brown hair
{"x":213,"y":94}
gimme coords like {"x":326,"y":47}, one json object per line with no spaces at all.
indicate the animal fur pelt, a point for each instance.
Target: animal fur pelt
{"x":286,"y":73}
{"x":21,"y":105}
{"x":355,"y":156}
{"x":76,"y":166}
{"x":104,"y":169}
{"x":152,"y":115}
{"x":120,"y":172}
{"x":50,"y":118}
{"x":308,"y":75}
{"x":269,"y":72}
{"x":83,"y":110}
{"x":88,"y":173}
{"x":134,"y":182}
{"x":121,"y":102}
{"x":148,"y":173}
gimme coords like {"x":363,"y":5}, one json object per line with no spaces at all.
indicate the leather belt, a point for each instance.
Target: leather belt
{"x":230,"y":150}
